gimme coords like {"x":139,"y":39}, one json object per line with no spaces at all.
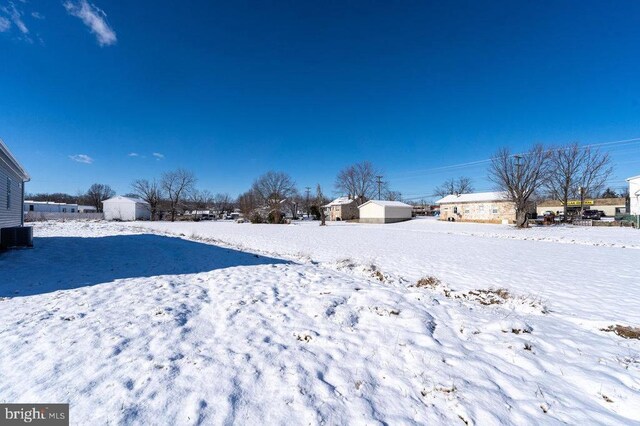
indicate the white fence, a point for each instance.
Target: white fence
{"x":582,"y":222}
{"x":42,"y":216}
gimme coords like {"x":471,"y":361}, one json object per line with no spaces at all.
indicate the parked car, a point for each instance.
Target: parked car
{"x":591,"y":214}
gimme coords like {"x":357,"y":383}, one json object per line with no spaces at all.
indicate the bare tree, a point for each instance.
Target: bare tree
{"x":390,"y":195}
{"x":609,"y":193}
{"x":593,"y":175}
{"x":247,"y":203}
{"x":576,"y":171}
{"x":272,"y":188}
{"x":176,"y":184}
{"x":520,"y":176}
{"x":359,"y":181}
{"x":150,"y":192}
{"x":97,"y":193}
{"x":320,"y":201}
{"x":199,"y":200}
{"x":222,"y":203}
{"x":461,"y":185}
{"x":294,"y":201}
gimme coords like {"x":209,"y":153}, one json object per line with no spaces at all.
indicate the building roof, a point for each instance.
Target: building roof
{"x":13,"y":162}
{"x":473,"y":198}
{"x":340,"y":201}
{"x":120,"y":198}
{"x":386,"y":204}
{"x":51,"y":203}
{"x":633,"y":178}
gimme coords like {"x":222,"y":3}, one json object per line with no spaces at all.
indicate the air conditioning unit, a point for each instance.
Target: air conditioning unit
{"x":17,"y":236}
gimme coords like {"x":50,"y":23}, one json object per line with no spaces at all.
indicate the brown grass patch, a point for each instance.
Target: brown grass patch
{"x":488,"y":297}
{"x":429,"y":282}
{"x":625,"y":331}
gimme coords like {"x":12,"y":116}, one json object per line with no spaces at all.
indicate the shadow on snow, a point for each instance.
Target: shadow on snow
{"x":63,"y":263}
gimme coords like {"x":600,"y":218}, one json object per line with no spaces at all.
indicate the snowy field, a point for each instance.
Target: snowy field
{"x":225,"y":323}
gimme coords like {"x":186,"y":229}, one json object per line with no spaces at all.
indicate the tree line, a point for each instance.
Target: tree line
{"x":271,"y":197}
{"x":562,"y":172}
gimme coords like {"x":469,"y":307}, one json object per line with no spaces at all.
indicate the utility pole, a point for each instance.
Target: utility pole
{"x":308,"y":190}
{"x":379,"y":178}
{"x":518,"y":185}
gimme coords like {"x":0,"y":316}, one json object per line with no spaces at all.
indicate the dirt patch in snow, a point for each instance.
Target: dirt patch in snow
{"x":625,"y":331}
{"x":428,"y":282}
{"x":485,"y":297}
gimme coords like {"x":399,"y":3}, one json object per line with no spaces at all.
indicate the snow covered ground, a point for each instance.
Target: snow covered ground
{"x":220,"y":323}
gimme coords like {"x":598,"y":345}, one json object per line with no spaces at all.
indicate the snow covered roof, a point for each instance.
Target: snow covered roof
{"x":386,"y":204}
{"x":120,"y":198}
{"x":633,"y":178}
{"x":473,"y":198}
{"x":340,"y":201}
{"x":14,"y":164}
{"x":51,"y":203}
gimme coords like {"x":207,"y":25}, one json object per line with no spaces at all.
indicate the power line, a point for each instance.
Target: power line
{"x":379,"y":182}
{"x":421,"y":172}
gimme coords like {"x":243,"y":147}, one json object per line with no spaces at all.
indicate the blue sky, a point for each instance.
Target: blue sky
{"x":233,"y":89}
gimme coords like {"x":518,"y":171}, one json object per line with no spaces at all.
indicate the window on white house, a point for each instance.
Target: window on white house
{"x":466,"y":210}
{"x":494,"y":211}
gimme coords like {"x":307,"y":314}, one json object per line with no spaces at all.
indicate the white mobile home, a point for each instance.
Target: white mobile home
{"x":126,"y":208}
{"x":12,"y":180}
{"x":634,"y":195}
{"x":49,"y":207}
{"x":377,"y":211}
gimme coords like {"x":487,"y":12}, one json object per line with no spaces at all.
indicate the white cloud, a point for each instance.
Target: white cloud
{"x":94,"y":18}
{"x":5,"y":24}
{"x":37,"y":15}
{"x":134,"y":154}
{"x":158,"y":155}
{"x":16,"y":17}
{"x":81,"y":158}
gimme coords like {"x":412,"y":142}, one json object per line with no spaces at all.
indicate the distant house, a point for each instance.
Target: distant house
{"x":377,"y":211}
{"x":49,"y":207}
{"x":87,"y":209}
{"x":610,"y":206}
{"x":342,"y":208}
{"x":12,"y":180}
{"x":634,"y":195}
{"x":484,"y":207}
{"x":126,"y":208}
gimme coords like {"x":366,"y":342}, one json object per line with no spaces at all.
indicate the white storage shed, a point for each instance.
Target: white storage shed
{"x":377,"y":211}
{"x":126,"y":208}
{"x":634,"y":195}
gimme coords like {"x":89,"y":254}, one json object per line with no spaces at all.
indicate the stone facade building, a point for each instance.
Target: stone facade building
{"x":482,"y":207}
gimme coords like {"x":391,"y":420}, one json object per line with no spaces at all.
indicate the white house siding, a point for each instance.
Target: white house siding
{"x":49,"y":207}
{"x":634,"y":195}
{"x":11,"y":193}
